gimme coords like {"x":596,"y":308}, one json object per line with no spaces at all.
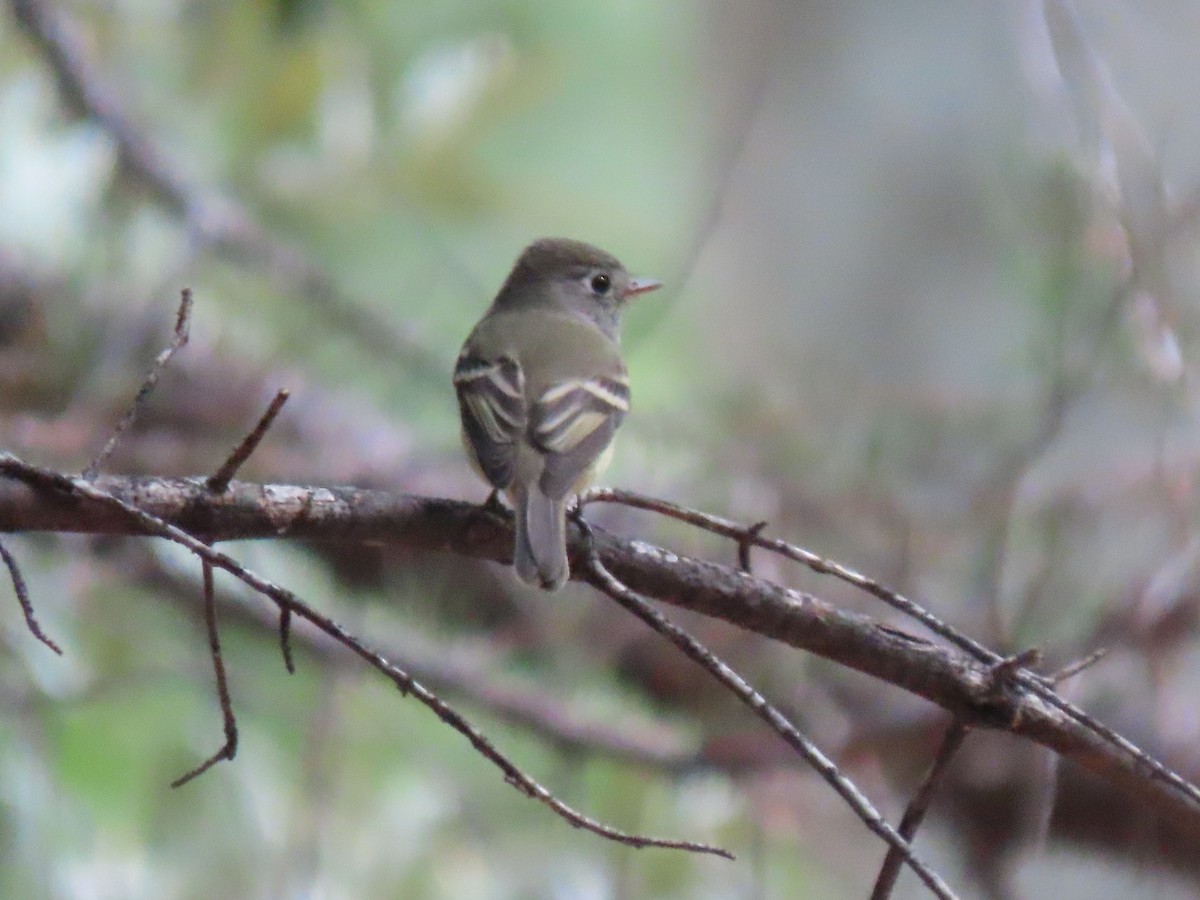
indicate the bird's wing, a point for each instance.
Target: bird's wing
{"x":491,"y":403}
{"x":571,"y":423}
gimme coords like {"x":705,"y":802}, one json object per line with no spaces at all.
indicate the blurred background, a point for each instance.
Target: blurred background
{"x":930,"y":311}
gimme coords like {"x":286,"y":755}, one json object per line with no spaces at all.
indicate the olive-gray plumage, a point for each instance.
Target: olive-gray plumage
{"x":542,"y":390}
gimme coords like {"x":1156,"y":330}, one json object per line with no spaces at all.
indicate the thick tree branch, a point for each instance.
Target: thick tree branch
{"x":947,"y":677}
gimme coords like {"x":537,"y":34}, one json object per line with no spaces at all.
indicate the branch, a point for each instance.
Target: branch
{"x":145,"y":523}
{"x":602,"y":580}
{"x":213,"y":221}
{"x":914,"y":815}
{"x":1012,"y":666}
{"x":965,"y":687}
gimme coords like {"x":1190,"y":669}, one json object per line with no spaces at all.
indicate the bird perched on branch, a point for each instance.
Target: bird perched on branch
{"x":542,"y":389}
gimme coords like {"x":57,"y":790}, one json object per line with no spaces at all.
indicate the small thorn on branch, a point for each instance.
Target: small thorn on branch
{"x":1007,"y":668}
{"x":180,"y":338}
{"x":746,"y":542}
{"x":219,"y":480}
{"x":22,"y":592}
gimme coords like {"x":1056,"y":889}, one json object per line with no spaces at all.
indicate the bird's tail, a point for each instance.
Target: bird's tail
{"x":540,"y":552}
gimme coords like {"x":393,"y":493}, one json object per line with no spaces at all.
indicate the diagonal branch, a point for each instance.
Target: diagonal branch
{"x":219,"y":480}
{"x":600,"y":578}
{"x":914,"y":815}
{"x":178,"y":340}
{"x":144,"y":523}
{"x":1036,"y":685}
{"x":469,"y":670}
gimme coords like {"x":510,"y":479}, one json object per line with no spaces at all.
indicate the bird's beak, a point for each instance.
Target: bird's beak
{"x":642,"y":286}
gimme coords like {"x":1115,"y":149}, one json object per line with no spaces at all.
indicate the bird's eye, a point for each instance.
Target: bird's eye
{"x":601,"y":283}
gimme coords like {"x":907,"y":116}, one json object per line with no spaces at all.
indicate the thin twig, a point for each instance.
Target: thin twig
{"x":1071,"y":669}
{"x":914,"y":815}
{"x":22,"y":592}
{"x":600,"y":578}
{"x":219,"y":480}
{"x":229,"y":749}
{"x":153,"y":526}
{"x":1051,"y":764}
{"x":179,"y":339}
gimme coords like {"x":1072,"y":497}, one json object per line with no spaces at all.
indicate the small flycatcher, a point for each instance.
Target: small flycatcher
{"x":542,"y":389}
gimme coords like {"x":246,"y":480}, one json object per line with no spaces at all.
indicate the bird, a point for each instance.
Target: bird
{"x":542,"y":389}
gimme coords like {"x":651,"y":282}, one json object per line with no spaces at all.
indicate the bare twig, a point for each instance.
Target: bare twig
{"x":218,"y":483}
{"x":914,"y":815}
{"x":219,"y":480}
{"x":1051,"y":765}
{"x":154,"y":526}
{"x":746,"y":542}
{"x":179,"y":339}
{"x":1070,"y":670}
{"x":229,"y":749}
{"x":600,"y":578}
{"x":22,"y":592}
